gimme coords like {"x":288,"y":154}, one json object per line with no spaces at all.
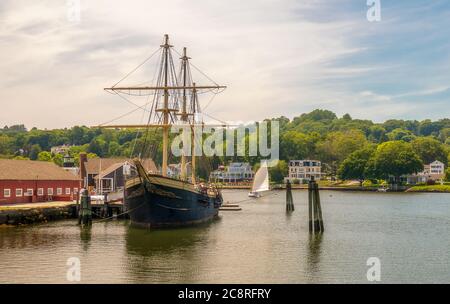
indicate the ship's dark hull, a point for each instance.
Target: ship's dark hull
{"x":163,"y":203}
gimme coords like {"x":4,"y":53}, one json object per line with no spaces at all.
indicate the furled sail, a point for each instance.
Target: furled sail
{"x":261,"y":179}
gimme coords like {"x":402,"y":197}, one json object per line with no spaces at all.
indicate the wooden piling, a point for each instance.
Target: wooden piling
{"x":85,"y":211}
{"x":314,"y":208}
{"x":310,"y":206}
{"x":319,"y":208}
{"x":289,"y":199}
{"x":316,"y":202}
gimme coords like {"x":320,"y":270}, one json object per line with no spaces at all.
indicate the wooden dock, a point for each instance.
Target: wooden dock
{"x":21,"y":214}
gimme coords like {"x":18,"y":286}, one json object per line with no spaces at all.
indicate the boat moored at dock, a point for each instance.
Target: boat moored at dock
{"x":160,"y":200}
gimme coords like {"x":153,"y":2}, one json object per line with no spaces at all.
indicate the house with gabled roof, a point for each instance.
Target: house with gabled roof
{"x":26,"y":181}
{"x":105,"y":175}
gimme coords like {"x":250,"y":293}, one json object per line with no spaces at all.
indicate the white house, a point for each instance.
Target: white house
{"x":303,"y":170}
{"x":235,"y":172}
{"x":434,"y":171}
{"x":63,"y":150}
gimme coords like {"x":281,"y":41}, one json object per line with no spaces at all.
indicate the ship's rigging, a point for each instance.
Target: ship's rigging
{"x":174,"y":99}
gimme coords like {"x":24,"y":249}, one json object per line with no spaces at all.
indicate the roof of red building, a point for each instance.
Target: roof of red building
{"x":11,"y":169}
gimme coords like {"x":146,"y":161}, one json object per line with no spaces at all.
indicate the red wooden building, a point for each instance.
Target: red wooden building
{"x":25,"y":181}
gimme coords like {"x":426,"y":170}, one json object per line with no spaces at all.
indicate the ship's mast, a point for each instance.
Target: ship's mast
{"x":165,"y":110}
{"x":194,"y":107}
{"x":184,"y":114}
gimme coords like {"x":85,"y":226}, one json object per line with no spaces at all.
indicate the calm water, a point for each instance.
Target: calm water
{"x":409,"y":233}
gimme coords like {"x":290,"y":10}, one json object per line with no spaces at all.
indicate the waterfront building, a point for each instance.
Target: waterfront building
{"x":431,"y":172}
{"x":26,"y":181}
{"x":303,"y":170}
{"x":105,"y":175}
{"x":234,"y":173}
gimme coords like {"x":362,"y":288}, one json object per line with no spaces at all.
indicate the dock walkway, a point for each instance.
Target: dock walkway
{"x":29,"y":213}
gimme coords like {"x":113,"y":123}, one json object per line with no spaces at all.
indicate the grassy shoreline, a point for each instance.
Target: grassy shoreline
{"x":430,"y":188}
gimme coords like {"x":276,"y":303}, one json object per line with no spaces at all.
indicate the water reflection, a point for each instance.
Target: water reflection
{"x":85,"y":237}
{"x":17,"y":238}
{"x":154,"y":242}
{"x":314,"y":254}
{"x":164,"y":255}
{"x":259,"y":244}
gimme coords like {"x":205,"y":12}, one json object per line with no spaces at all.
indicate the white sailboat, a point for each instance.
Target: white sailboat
{"x":260,"y":182}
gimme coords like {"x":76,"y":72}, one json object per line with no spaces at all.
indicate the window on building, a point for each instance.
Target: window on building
{"x":75,"y":190}
{"x":58,"y":191}
{"x":67,"y":191}
{"x":19,"y":192}
{"x":40,"y":191}
{"x":7,"y":192}
{"x":50,"y":191}
{"x":29,"y":192}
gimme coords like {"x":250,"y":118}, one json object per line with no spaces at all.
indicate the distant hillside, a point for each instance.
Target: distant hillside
{"x":319,"y":134}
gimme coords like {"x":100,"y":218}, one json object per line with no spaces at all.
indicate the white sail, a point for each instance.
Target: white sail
{"x":261,"y":180}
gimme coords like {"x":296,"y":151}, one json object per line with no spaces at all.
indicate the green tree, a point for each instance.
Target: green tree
{"x":5,"y":145}
{"x":17,"y":128}
{"x":444,"y":134}
{"x":96,"y":146}
{"x":447,"y":175}
{"x":34,"y":152}
{"x":347,"y":117}
{"x":114,"y":149}
{"x":44,"y":156}
{"x":279,"y":172}
{"x":394,"y":158}
{"x":429,"y":150}
{"x":401,"y":134}
{"x":377,"y":134}
{"x":58,"y":159}
{"x":428,"y":127}
{"x":337,"y":146}
{"x":296,"y":145}
{"x":316,"y":115}
{"x":392,"y":124}
{"x":354,"y":166}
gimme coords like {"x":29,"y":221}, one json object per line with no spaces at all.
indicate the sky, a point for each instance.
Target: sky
{"x":283,"y":57}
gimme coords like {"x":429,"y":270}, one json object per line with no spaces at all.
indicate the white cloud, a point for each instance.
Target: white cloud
{"x":274,"y":61}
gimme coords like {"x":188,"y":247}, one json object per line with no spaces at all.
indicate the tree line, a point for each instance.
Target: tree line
{"x":348,"y":148}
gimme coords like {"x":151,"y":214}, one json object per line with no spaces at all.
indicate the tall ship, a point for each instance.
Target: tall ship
{"x":158,"y":199}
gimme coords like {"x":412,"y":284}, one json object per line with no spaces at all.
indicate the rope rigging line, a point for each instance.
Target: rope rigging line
{"x":136,"y":68}
{"x":129,"y":101}
{"x":221,"y":121}
{"x":210,"y":101}
{"x":138,"y":131}
{"x":190,"y":63}
{"x":119,"y":117}
{"x":174,"y":101}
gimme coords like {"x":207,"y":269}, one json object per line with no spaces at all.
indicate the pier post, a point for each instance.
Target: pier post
{"x":319,"y":207}
{"x":310,"y":206}
{"x":289,"y":199}
{"x":314,"y":208}
{"x":85,"y":211}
